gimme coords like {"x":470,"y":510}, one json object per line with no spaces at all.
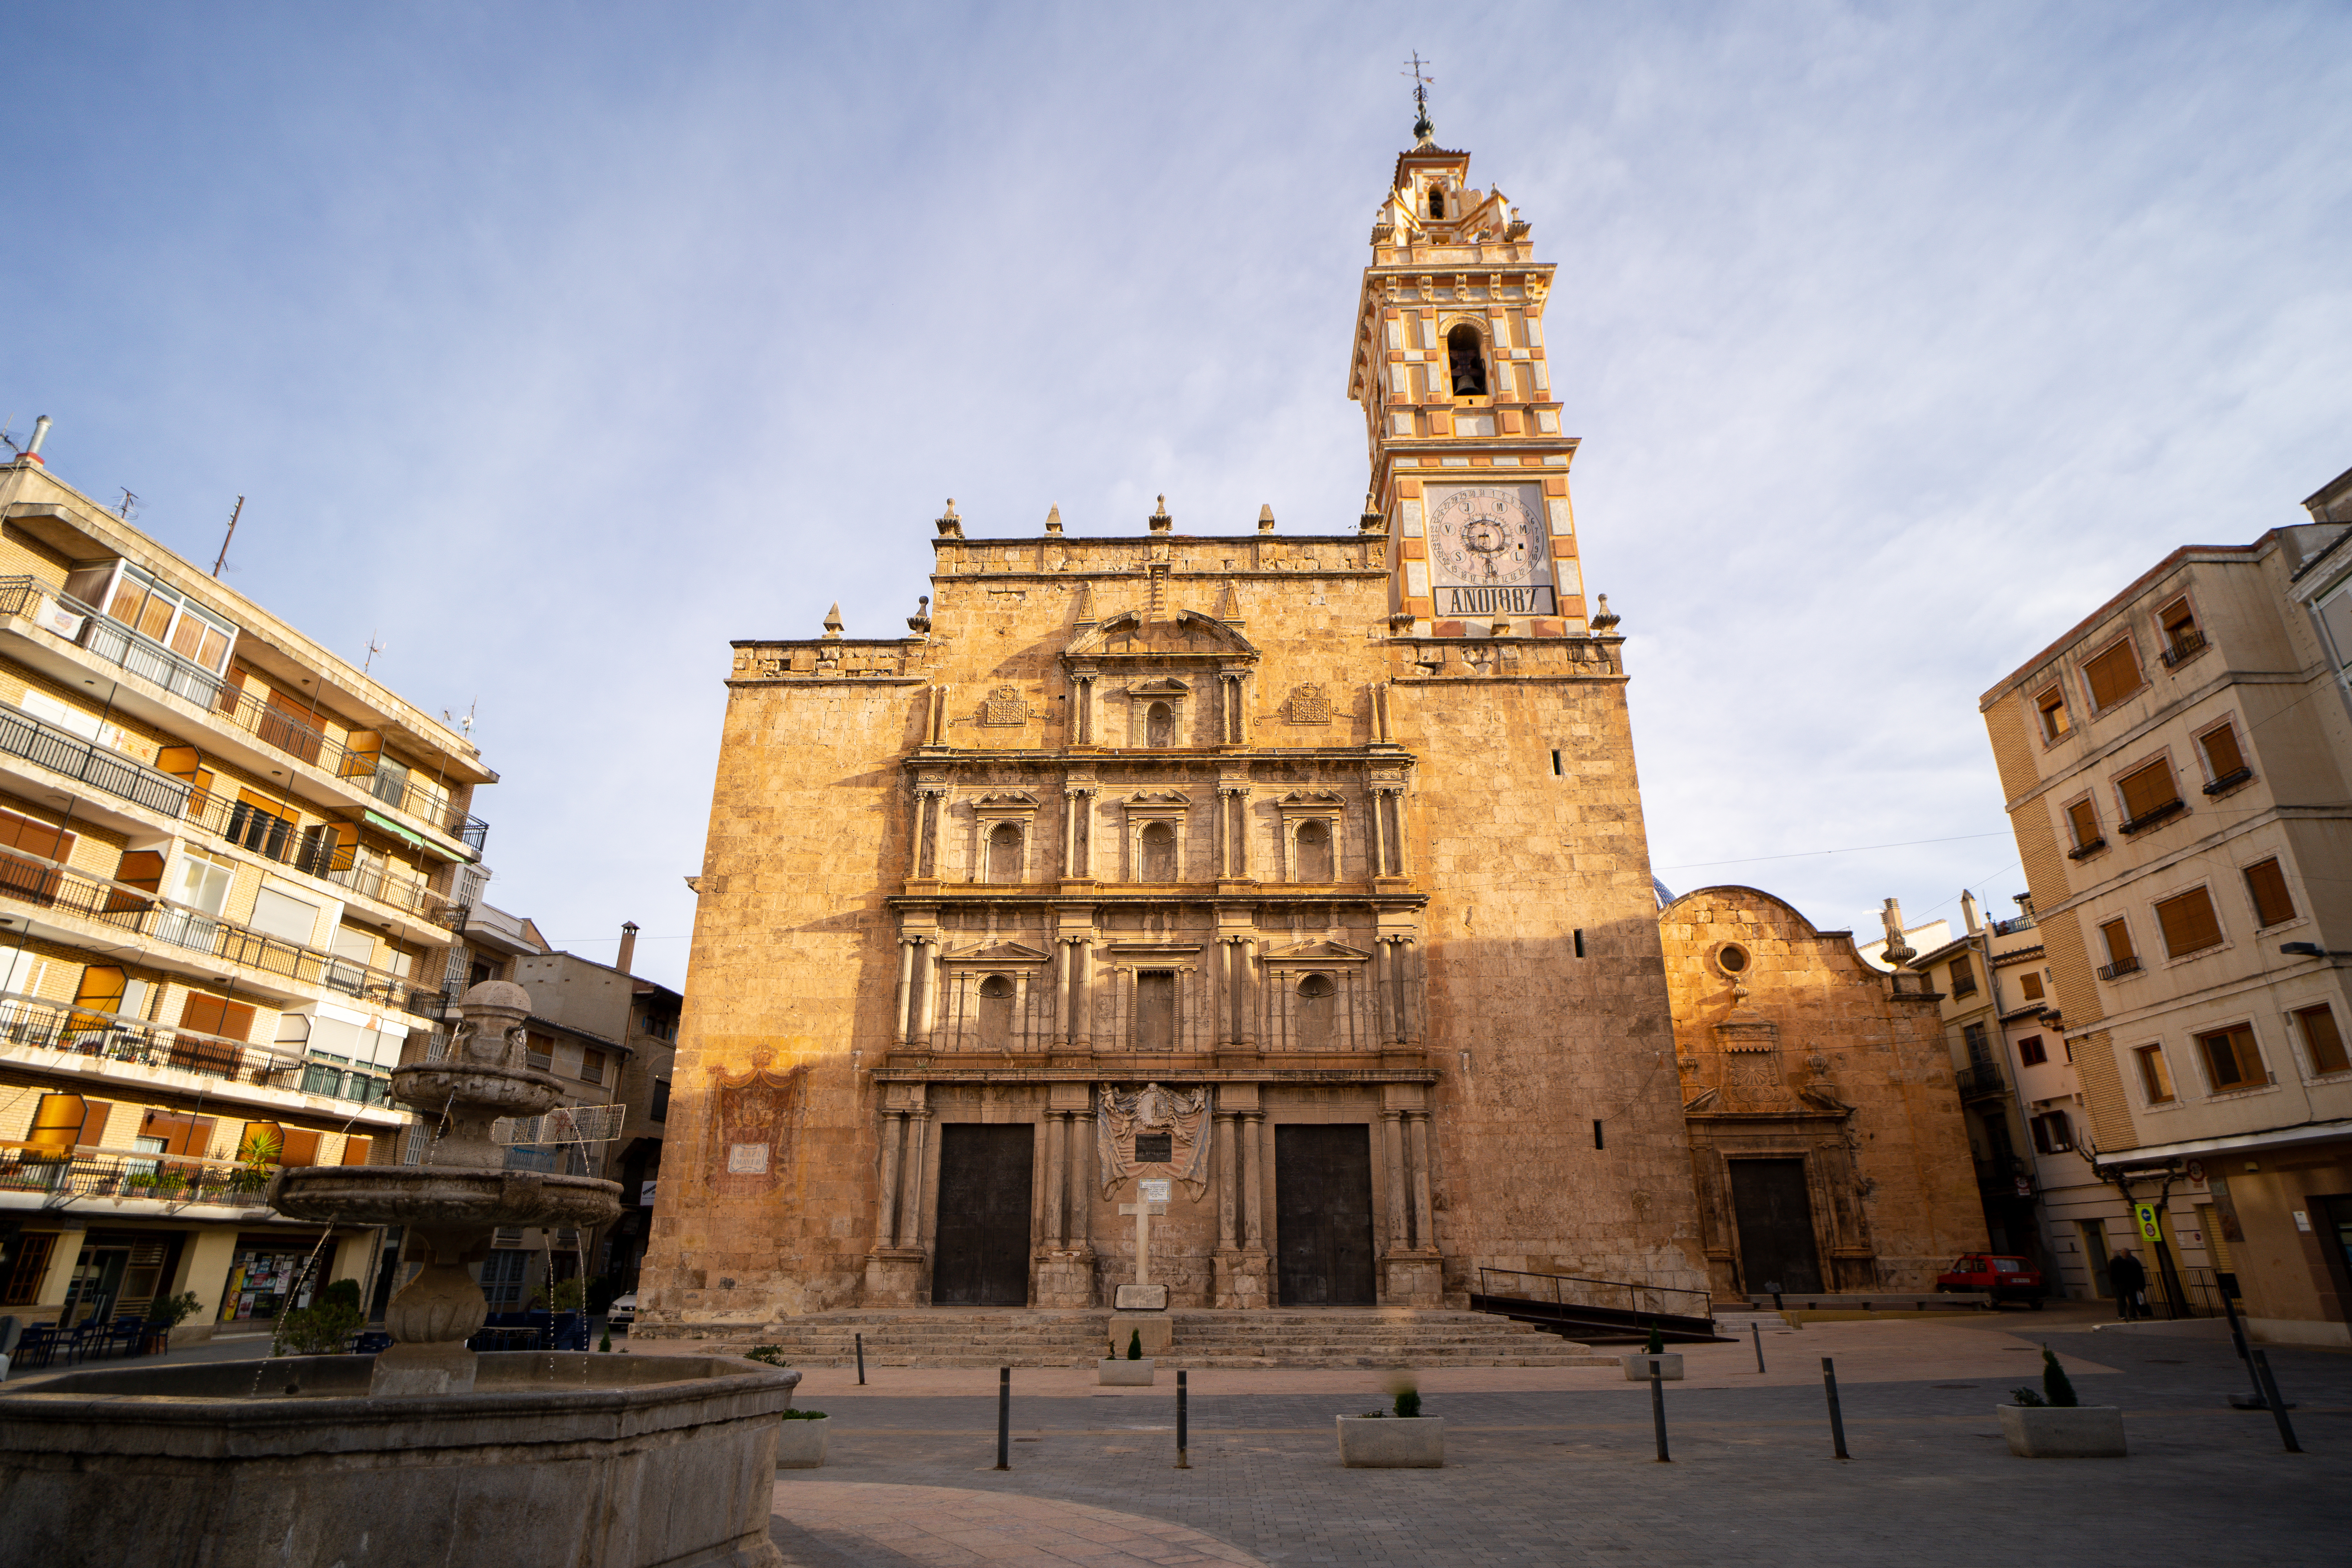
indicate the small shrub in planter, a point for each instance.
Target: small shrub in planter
{"x":1135,"y":1345}
{"x":2051,"y":1423}
{"x":766,"y":1355}
{"x":800,"y":1438}
{"x":1400,"y":1440}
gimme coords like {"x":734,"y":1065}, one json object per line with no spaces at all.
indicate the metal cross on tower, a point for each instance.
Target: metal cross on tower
{"x":1421,"y":83}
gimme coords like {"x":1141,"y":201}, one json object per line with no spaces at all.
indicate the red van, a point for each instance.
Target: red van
{"x":2004,"y":1278}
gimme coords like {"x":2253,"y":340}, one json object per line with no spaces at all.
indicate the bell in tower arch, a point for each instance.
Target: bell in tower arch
{"x":1466,"y":363}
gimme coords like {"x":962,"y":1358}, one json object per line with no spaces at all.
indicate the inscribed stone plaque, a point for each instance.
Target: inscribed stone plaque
{"x":747,"y":1159}
{"x":1142,"y":1298}
{"x":1154,"y":1192}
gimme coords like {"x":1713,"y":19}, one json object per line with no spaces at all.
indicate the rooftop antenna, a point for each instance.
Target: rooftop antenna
{"x":374,"y":648}
{"x":467,"y":723}
{"x":129,"y":504}
{"x":222,"y":559}
{"x":1421,"y":83}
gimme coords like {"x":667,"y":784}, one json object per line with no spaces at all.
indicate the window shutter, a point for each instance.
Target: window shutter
{"x":2113,"y":676}
{"x":356,"y":1150}
{"x":2325,"y":1043}
{"x":217,"y":1016}
{"x":2148,"y":789}
{"x":2085,"y":822}
{"x":301,"y":1147}
{"x":2221,"y":753}
{"x":2188,"y":923}
{"x":2119,"y":943}
{"x":2267,"y":883}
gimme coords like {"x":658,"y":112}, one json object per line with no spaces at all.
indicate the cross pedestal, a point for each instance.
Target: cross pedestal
{"x":1143,"y":1295}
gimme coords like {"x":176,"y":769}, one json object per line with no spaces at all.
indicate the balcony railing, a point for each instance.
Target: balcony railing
{"x":42,"y":1025}
{"x":2155,"y":814}
{"x":100,"y":767}
{"x":287,"y":729}
{"x":2011,"y":927}
{"x":2084,"y":852}
{"x":2229,"y":781}
{"x":2120,"y":968}
{"x":370,"y":875}
{"x":1981,"y":1079}
{"x":48,"y":884}
{"x":2184,"y":647}
{"x":166,"y":1178}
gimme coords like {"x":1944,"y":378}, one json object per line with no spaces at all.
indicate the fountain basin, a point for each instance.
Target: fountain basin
{"x":559,"y":1460}
{"x":442,"y":1198}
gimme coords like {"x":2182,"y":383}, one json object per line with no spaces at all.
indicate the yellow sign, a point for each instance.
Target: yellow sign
{"x":2149,"y":1225}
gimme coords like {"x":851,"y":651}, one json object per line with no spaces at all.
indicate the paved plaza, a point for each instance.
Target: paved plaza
{"x":1557,"y":1466}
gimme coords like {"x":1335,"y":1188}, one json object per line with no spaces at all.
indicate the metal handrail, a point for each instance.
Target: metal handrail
{"x":49,"y":884}
{"x":2153,"y":815}
{"x":268,"y":834}
{"x":286,"y":730}
{"x":1633,"y":1288}
{"x":1979,"y":1078}
{"x":167,"y":1178}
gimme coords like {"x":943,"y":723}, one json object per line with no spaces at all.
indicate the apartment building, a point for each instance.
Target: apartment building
{"x":2178,"y":769}
{"x":231,"y":865}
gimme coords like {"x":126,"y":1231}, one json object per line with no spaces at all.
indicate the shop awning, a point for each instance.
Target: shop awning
{"x":384,"y":823}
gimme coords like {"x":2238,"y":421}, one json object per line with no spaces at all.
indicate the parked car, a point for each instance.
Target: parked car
{"x":622,"y":1312}
{"x":2003,"y":1279}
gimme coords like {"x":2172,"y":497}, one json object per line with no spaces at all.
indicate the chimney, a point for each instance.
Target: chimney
{"x":629,"y":946}
{"x":33,"y":448}
{"x":1974,"y":922}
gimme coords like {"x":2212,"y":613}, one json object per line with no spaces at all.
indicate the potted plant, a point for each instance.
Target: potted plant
{"x":1402,"y":1439}
{"x":1136,"y":1370}
{"x":164,"y":1314}
{"x":799,"y":1439}
{"x":1655,"y":1353}
{"x":2052,"y":1423}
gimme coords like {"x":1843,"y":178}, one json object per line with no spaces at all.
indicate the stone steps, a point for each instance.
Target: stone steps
{"x":1371,"y":1337}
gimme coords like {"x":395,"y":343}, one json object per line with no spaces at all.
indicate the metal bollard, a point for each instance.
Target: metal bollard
{"x":1183,"y":1423}
{"x":2278,"y":1407}
{"x":1658,"y":1410}
{"x":1837,"y":1417}
{"x":1003,"y":1417}
{"x":1756,"y":1333}
{"x":861,"y":1361}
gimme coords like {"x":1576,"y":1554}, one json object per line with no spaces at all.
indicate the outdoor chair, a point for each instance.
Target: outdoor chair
{"x":127,"y":1335}
{"x":39,"y":1345}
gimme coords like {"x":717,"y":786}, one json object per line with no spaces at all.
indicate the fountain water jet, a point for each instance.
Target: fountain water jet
{"x":427,"y":1452}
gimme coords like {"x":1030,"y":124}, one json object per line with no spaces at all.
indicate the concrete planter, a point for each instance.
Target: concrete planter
{"x":553,"y":1461}
{"x":800,"y":1442}
{"x":1117,"y":1371}
{"x":1392,"y":1442}
{"x":1637,"y":1367}
{"x":2062,"y":1432}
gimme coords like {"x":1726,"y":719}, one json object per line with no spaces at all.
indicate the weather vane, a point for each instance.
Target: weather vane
{"x":1421,"y":83}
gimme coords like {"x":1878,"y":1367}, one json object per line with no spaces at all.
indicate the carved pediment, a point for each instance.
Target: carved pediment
{"x":1189,"y":635}
{"x":1006,"y":800}
{"x":1002,"y":953}
{"x":1163,"y":798}
{"x":1166,"y":687}
{"x":1314,"y":799}
{"x":1318,"y":953}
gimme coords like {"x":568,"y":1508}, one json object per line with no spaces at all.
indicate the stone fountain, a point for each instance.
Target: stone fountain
{"x":427,"y":1452}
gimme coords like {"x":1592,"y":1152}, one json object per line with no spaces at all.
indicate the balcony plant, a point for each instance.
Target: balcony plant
{"x":2050,"y":1422}
{"x":1399,"y":1438}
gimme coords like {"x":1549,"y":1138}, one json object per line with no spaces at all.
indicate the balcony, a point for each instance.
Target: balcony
{"x":2185,"y":647}
{"x":2011,"y":927}
{"x":161,"y":1178}
{"x":369,"y":875}
{"x":2155,"y":814}
{"x":2085,"y":851}
{"x":100,"y":767}
{"x":1979,"y":1079}
{"x":2229,"y":781}
{"x":48,"y":885}
{"x":286,"y":730}
{"x":31,"y":1022}
{"x":2120,"y":968}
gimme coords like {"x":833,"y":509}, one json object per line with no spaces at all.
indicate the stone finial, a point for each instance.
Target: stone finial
{"x":920,"y":621}
{"x":1372,"y":522}
{"x":1898,"y":952}
{"x":1053,"y":518}
{"x":1265,"y":517}
{"x":1604,"y":622}
{"x":833,"y":624}
{"x":949,"y":525}
{"x":1159,"y":521}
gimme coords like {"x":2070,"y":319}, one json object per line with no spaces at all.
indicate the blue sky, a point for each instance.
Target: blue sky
{"x":552,"y":346}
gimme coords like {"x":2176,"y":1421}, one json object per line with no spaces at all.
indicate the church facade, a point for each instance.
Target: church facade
{"x":1299,"y":878}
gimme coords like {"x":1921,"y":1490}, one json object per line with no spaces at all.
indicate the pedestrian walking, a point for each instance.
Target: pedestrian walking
{"x":2130,"y":1280}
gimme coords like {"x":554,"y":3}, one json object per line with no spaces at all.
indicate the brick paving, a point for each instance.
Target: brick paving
{"x":1549,"y":1474}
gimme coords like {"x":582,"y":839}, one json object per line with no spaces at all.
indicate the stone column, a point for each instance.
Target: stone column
{"x":1245,"y":952}
{"x":1223,"y":1131}
{"x":1252,"y":1178}
{"x":927,"y":1014}
{"x":1384,"y":991}
{"x":1414,"y":998}
{"x":1372,"y":839}
{"x":907,"y":946}
{"x":886,"y":1215}
{"x":1392,"y":1167}
{"x":1057,"y":1145}
{"x":910,"y":1188}
{"x":1241,"y":833}
{"x":1425,"y":1225}
{"x":1081,"y":1176}
{"x":1083,"y":1032}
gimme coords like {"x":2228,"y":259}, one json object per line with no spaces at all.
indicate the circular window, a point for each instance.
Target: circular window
{"x":1733,"y":958}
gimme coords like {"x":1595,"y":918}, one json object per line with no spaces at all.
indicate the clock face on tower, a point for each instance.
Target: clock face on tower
{"x":1489,"y":551}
